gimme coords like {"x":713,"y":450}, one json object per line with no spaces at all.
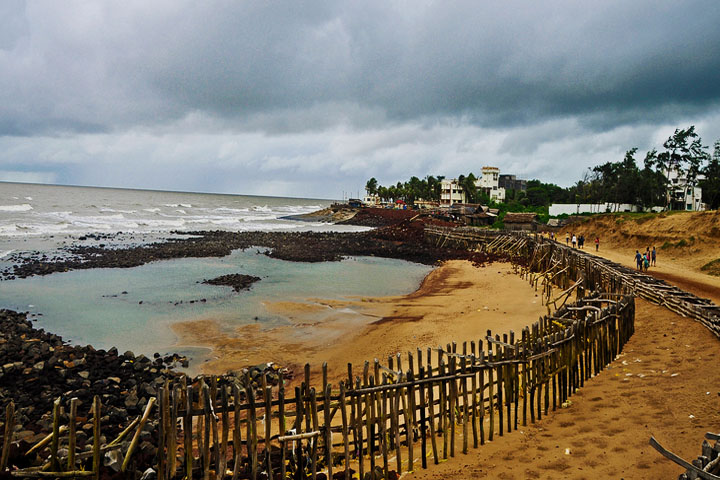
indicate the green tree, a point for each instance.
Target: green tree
{"x":685,"y":154}
{"x":711,"y":183}
{"x":372,"y":186}
{"x":652,"y":182}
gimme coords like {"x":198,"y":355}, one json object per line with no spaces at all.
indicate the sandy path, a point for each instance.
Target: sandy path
{"x":672,"y":266}
{"x":456,"y":302}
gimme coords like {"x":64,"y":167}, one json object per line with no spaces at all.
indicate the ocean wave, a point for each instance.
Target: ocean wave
{"x":16,"y":208}
{"x":151,"y":210}
{"x":176,"y":205}
{"x":5,"y":253}
{"x":112,"y":210}
{"x":231,"y":210}
{"x":264,"y":208}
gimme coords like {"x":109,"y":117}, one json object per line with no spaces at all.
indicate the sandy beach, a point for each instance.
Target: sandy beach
{"x":455,"y":302}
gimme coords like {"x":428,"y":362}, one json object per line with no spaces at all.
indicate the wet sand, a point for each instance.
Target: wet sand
{"x":455,"y":302}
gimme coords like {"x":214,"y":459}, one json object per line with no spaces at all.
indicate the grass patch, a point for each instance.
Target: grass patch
{"x":712,"y":268}
{"x":666,"y":245}
{"x":681,"y":243}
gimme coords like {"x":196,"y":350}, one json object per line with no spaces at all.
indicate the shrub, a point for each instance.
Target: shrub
{"x":712,"y":268}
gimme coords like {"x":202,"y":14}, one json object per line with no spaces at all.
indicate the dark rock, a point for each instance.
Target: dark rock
{"x":237,"y":281}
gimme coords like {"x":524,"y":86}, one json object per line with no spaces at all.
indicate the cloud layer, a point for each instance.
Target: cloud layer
{"x":284,"y":98}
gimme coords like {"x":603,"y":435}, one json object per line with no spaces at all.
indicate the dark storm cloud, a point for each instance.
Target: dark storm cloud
{"x":95,"y":66}
{"x":309,"y":99}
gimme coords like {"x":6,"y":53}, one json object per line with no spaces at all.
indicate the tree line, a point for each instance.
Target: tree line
{"x":621,"y":182}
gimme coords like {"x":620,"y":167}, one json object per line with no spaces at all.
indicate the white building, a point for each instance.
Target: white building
{"x":681,"y":195}
{"x":489,"y":183}
{"x":451,"y":192}
{"x":371,"y":200}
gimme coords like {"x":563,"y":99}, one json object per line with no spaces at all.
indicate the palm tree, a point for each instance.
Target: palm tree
{"x":371,"y":186}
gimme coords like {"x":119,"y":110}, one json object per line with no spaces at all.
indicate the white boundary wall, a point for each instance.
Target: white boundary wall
{"x":576,"y":208}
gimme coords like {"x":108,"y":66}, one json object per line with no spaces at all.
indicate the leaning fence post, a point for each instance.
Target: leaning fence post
{"x":7,"y":438}
{"x":96,"y":436}
{"x":54,"y":462}
{"x":136,"y":437}
{"x":71,"y":434}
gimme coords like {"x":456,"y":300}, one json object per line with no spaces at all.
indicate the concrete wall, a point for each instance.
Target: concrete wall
{"x":575,"y":208}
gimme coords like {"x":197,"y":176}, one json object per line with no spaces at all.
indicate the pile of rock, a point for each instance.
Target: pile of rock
{"x":237,"y":281}
{"x":37,"y":367}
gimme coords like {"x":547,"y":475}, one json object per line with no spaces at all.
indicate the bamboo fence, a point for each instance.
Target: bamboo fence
{"x":394,"y":416}
{"x":551,"y":263}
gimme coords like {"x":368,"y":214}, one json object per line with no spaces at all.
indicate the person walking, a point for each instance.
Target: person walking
{"x":653,"y":256}
{"x":646,"y":261}
{"x":638,"y":259}
{"x":597,"y":244}
{"x":581,"y":241}
{"x":574,"y":240}
{"x":567,"y":238}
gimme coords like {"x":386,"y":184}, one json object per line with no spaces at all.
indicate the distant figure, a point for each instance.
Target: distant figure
{"x":638,"y":259}
{"x":597,"y":244}
{"x":654,"y":255}
{"x":574,"y":240}
{"x":646,"y":261}
{"x":567,"y":239}
{"x":581,"y":241}
{"x":552,"y":235}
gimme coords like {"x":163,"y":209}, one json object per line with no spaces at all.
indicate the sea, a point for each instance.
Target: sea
{"x":133,"y":308}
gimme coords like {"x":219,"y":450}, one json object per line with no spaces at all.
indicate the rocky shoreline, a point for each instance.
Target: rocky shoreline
{"x":37,"y":367}
{"x":401,"y":237}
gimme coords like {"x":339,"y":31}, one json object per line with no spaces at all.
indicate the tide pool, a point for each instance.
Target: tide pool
{"x":132,"y":309}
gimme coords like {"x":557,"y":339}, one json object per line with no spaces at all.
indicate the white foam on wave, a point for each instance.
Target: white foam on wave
{"x":180,"y":210}
{"x":151,"y":210}
{"x":230,"y":210}
{"x":5,"y":253}
{"x":112,"y":210}
{"x":28,"y":198}
{"x":16,"y":208}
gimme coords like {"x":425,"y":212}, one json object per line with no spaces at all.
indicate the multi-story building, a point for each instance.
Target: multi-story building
{"x":511,"y":182}
{"x":682,"y":195}
{"x":451,"y":192}
{"x":489,"y":183}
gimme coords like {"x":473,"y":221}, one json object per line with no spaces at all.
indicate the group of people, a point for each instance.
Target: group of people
{"x":577,"y":241}
{"x":646,"y":259}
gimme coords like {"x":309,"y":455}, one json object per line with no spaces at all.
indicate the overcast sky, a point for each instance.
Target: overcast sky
{"x":311,"y":99}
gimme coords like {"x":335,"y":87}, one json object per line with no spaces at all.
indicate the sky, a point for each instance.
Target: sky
{"x":311,"y":99}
